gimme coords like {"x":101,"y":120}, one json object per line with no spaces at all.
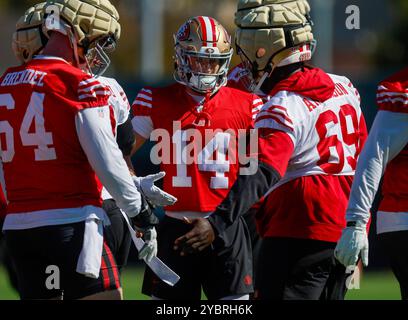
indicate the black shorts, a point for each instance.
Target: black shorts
{"x":256,"y":240}
{"x":221,"y":272}
{"x":299,"y":269}
{"x":34,"y":250}
{"x":6,"y":259}
{"x":395,"y":247}
{"x":118,"y":237}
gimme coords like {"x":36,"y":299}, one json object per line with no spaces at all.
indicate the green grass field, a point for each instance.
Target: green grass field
{"x":373,"y":286}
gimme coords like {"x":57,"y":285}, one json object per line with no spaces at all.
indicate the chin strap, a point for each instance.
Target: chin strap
{"x":203,"y":115}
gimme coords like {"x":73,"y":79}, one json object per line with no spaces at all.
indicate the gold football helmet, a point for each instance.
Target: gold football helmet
{"x":28,"y":39}
{"x":202,"y":54}
{"x":94,"y":22}
{"x":272,"y":33}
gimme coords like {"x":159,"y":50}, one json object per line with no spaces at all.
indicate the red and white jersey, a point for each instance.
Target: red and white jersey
{"x":317,"y":131}
{"x":325,"y":134}
{"x":385,"y":153}
{"x":117,"y":99}
{"x":238,"y":79}
{"x":44,"y":164}
{"x":121,"y":108}
{"x":392,"y":95}
{"x":203,"y":183}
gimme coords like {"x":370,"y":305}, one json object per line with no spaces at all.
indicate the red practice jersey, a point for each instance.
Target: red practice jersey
{"x":44,"y":164}
{"x":201,"y":184}
{"x":392,"y":95}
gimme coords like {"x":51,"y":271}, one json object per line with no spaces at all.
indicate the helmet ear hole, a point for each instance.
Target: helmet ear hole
{"x":84,"y":27}
{"x":26,"y":54}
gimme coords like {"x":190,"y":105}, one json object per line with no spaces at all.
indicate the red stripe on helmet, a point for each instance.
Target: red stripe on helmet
{"x":203,"y":30}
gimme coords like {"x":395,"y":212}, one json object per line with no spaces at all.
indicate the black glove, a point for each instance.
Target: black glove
{"x":146,"y":218}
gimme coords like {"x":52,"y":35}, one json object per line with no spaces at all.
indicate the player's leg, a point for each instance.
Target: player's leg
{"x":118,"y":236}
{"x":273,"y":268}
{"x":294,"y":269}
{"x":256,"y":240}
{"x":31,"y":256}
{"x":78,"y":286}
{"x":395,"y":247}
{"x":226,"y":267}
{"x":336,"y":285}
{"x":188,"y":287}
{"x":7,"y":261}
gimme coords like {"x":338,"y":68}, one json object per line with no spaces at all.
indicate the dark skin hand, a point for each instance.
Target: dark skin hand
{"x":197,"y":239}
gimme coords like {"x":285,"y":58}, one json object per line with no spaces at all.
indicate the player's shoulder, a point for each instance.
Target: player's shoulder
{"x":339,"y":78}
{"x":392,"y":93}
{"x":86,"y":88}
{"x":237,"y":93}
{"x":110,"y":82}
{"x":397,"y":81}
{"x":151,"y":97}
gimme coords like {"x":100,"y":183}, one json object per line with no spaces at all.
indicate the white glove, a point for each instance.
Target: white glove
{"x":149,"y":250}
{"x":154,"y":194}
{"x":352,"y":244}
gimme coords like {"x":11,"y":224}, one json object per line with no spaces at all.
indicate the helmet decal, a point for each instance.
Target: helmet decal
{"x":184,"y":32}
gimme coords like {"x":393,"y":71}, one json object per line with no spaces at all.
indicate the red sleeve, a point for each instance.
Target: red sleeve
{"x":91,"y":93}
{"x":142,"y":106}
{"x":392,"y":94}
{"x":275,"y":149}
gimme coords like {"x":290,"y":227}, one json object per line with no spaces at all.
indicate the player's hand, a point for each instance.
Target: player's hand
{"x":146,"y":217}
{"x":149,"y":250}
{"x":157,"y":196}
{"x":352,"y":244}
{"x":197,"y":239}
{"x":145,"y":223}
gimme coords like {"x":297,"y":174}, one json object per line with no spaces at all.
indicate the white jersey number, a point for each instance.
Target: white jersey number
{"x":220,"y":165}
{"x":40,"y":138}
{"x":331,"y":145}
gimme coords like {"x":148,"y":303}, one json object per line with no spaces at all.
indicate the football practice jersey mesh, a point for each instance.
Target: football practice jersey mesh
{"x":199,"y":188}
{"x":45,"y":166}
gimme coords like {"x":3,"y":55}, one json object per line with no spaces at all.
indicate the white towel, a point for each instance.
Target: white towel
{"x":89,"y":261}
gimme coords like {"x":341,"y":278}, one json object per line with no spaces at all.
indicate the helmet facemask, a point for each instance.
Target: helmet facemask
{"x":97,"y":55}
{"x":204,"y":71}
{"x":253,"y":77}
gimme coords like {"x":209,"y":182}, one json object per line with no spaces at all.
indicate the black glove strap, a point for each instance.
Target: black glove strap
{"x":146,"y":218}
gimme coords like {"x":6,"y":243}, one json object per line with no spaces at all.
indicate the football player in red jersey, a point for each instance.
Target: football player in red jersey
{"x":385,"y":154}
{"x":311,"y":130}
{"x":59,"y":147}
{"x":29,"y":40}
{"x":203,"y":117}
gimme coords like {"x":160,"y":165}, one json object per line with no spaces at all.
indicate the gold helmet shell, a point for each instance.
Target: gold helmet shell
{"x":27,"y":39}
{"x":203,"y":53}
{"x":276,"y":26}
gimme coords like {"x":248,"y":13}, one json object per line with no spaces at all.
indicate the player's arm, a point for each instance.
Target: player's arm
{"x":275,"y":150}
{"x":388,"y":136}
{"x":142,"y":125}
{"x":98,"y":142}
